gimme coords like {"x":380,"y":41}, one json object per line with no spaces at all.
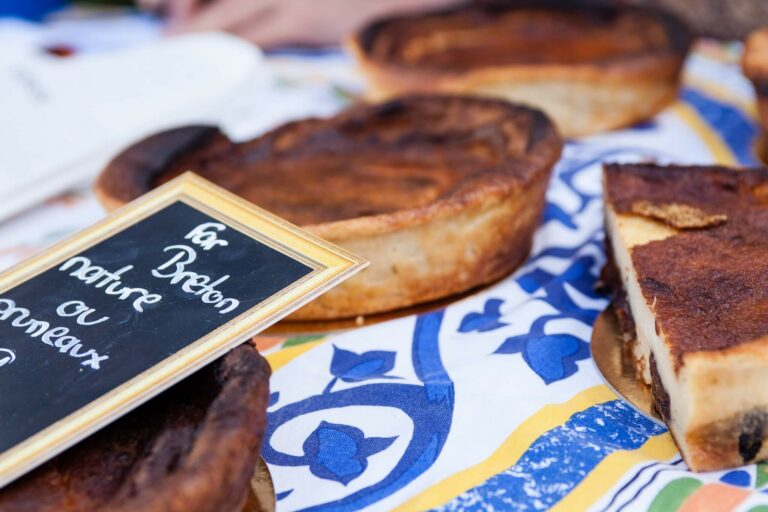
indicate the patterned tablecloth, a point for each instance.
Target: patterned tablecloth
{"x":491,"y":403}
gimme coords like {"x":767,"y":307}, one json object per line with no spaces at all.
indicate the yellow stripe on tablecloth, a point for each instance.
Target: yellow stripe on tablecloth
{"x":746,"y":105}
{"x":284,"y":356}
{"x":717,"y":147}
{"x":547,"y":418}
{"x":604,"y":477}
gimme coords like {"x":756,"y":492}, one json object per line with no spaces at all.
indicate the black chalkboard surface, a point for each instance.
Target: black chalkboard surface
{"x":101,"y":318}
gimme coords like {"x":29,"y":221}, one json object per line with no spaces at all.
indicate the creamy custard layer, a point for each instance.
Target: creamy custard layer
{"x":626,"y":232}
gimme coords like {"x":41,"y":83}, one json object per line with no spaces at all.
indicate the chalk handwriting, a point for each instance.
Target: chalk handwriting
{"x":57,"y":337}
{"x":175,"y":269}
{"x":207,"y":239}
{"x":100,"y":277}
{"x":7,"y":356}
{"x":79,"y":309}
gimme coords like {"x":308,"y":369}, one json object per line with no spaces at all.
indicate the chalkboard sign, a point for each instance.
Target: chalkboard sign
{"x":103,"y":322}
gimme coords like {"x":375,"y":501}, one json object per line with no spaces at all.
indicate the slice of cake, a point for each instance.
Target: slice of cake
{"x":688,"y":266}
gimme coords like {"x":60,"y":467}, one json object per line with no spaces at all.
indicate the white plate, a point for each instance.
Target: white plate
{"x":61,"y":120}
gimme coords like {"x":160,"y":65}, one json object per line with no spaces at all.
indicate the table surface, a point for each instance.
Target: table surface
{"x":491,"y":402}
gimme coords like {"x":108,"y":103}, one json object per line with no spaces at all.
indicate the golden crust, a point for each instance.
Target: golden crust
{"x":582,"y":95}
{"x":716,"y":446}
{"x":729,"y":426}
{"x":418,"y":263}
{"x":441,"y":194}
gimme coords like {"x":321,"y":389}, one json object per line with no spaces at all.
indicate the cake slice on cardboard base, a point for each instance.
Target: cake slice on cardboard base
{"x":688,"y":267}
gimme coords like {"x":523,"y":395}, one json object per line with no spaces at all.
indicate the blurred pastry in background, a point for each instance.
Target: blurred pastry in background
{"x":731,"y":19}
{"x":591,"y":67}
{"x":441,"y":193}
{"x":755,"y":65}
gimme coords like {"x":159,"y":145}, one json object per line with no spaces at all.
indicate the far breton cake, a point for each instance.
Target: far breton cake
{"x":589,"y":65}
{"x":441,"y":193}
{"x":193,"y":448}
{"x":688,"y":264}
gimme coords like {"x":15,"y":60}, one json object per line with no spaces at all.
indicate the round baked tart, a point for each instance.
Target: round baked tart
{"x":755,"y":65}
{"x":441,"y":193}
{"x":591,"y":67}
{"x":194,"y":447}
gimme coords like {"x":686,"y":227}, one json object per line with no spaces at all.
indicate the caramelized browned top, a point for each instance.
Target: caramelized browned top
{"x":192,"y":448}
{"x":369,"y":160}
{"x":708,"y":286}
{"x":511,"y":32}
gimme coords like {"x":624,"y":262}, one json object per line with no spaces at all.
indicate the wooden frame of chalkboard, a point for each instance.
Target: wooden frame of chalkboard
{"x":325,"y":266}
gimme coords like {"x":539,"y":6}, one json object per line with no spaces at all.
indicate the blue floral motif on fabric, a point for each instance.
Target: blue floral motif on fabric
{"x":351,"y":367}
{"x":340,"y":452}
{"x":488,"y":320}
{"x":552,"y":356}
